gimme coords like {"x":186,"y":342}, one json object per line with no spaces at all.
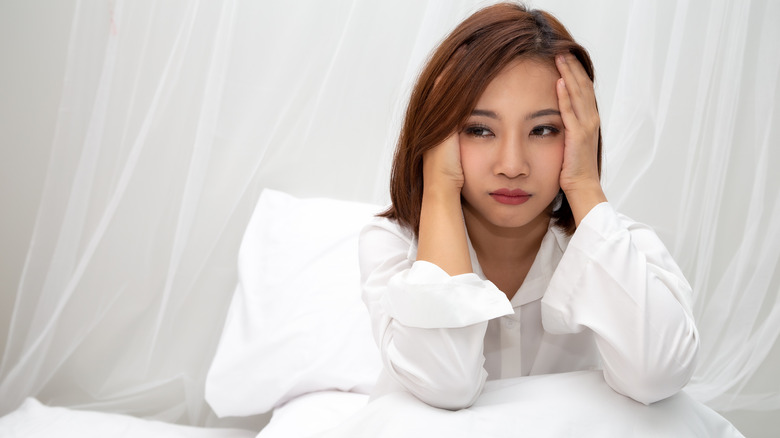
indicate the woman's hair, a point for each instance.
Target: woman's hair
{"x":452,"y":81}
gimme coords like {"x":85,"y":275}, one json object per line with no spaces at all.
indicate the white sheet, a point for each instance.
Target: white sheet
{"x":556,"y":405}
{"x":313,"y":413}
{"x":35,"y":420}
{"x":570,"y":404}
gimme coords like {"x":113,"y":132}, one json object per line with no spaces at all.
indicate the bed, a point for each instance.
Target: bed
{"x":297,"y":343}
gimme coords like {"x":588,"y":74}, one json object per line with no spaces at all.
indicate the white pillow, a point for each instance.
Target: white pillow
{"x":296,"y":323}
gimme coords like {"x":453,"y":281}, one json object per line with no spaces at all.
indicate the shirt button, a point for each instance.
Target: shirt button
{"x":508,"y":323}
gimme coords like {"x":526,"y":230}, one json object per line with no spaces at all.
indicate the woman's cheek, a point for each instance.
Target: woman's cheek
{"x":554,"y":163}
{"x":467,"y":156}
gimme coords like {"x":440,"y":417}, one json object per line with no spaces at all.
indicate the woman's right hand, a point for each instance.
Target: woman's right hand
{"x":441,"y":166}
{"x":442,"y":235}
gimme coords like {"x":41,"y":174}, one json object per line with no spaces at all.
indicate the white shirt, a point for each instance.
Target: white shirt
{"x":609,"y":297}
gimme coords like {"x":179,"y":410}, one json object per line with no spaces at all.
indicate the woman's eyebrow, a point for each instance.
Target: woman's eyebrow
{"x":542,"y":113}
{"x":486,"y":113}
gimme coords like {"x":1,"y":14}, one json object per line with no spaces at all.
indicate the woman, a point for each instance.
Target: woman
{"x":500,"y":255}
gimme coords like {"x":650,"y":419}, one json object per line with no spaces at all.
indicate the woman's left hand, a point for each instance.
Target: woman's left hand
{"x":577,"y":102}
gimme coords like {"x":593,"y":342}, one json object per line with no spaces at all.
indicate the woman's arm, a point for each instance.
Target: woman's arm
{"x":429,"y":326}
{"x":442,"y":236}
{"x":429,"y":311}
{"x":617,"y":279}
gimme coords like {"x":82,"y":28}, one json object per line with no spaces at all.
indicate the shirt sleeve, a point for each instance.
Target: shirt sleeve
{"x":617,"y":279}
{"x":429,"y":326}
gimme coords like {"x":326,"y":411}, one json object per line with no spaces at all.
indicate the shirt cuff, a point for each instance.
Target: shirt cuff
{"x":598,"y":227}
{"x":425,"y":296}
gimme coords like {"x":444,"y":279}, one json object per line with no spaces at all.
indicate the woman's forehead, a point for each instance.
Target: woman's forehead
{"x":522,"y":81}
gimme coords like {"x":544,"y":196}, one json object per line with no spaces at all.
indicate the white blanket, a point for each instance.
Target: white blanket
{"x":557,"y":405}
{"x":576,"y":404}
{"x":34,"y":420}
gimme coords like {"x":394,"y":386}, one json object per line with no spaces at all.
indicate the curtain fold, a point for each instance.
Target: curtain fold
{"x":175,"y":115}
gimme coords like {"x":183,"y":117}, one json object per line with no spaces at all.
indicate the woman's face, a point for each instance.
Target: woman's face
{"x":511,"y":147}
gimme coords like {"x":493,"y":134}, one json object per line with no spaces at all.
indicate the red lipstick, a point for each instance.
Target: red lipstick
{"x":510,"y":197}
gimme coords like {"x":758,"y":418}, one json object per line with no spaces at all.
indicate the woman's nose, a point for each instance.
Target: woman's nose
{"x":512,"y":160}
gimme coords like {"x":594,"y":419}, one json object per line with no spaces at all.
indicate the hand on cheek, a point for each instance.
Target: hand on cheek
{"x":442,"y":236}
{"x":442,"y":168}
{"x":577,"y":102}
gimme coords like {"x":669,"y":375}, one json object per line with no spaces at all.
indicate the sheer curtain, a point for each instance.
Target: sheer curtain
{"x":175,"y":115}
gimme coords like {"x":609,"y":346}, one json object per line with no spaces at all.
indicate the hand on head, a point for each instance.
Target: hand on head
{"x":577,"y":103}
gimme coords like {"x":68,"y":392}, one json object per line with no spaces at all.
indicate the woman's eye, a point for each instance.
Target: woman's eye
{"x":544,"y":131}
{"x":478,"y":131}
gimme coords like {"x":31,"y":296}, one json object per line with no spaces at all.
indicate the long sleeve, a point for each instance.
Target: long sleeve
{"x":617,"y":279}
{"x":429,"y":326}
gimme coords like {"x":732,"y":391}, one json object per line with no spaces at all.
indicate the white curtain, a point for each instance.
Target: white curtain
{"x":175,"y":115}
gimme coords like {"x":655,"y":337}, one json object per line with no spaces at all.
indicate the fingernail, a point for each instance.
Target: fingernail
{"x":561,"y":59}
{"x":562,"y":82}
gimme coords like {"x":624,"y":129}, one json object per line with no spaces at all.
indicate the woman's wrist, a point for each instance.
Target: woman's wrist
{"x":442,"y":191}
{"x":583,"y":197}
{"x":442,"y":234}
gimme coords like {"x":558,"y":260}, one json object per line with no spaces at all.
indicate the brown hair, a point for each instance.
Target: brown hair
{"x":452,"y":81}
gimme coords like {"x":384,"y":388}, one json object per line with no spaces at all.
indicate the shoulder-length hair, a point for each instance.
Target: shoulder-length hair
{"x":452,"y":81}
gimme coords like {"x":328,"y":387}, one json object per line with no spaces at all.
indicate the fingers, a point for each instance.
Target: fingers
{"x":577,"y":104}
{"x":571,"y":69}
{"x":578,"y":85}
{"x":564,"y":104}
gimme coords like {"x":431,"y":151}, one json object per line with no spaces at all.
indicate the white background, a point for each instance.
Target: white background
{"x":135,"y":138}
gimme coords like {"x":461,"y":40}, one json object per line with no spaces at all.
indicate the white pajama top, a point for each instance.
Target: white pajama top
{"x":609,"y":297}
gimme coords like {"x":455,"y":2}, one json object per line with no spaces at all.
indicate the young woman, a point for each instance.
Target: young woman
{"x":500,"y":255}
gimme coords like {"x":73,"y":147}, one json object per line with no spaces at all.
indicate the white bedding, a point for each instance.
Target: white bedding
{"x":576,"y":404}
{"x":557,"y":405}
{"x":35,"y":420}
{"x":313,"y":413}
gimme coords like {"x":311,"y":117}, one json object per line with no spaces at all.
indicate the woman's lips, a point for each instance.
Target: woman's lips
{"x":510,"y":197}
